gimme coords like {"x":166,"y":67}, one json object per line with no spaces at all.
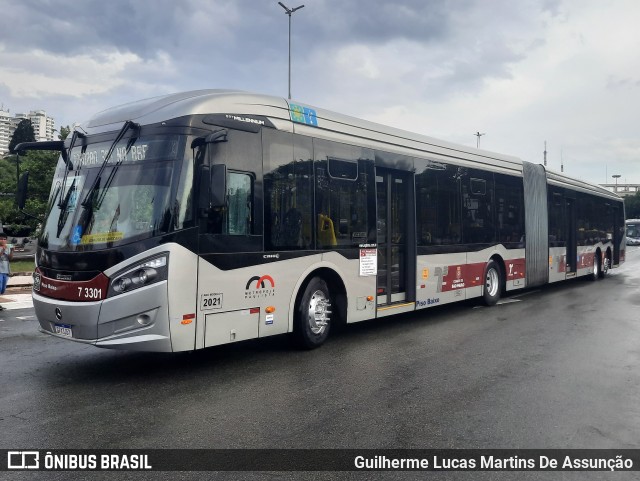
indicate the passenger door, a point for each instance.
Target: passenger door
{"x":571,"y":236}
{"x":395,"y":252}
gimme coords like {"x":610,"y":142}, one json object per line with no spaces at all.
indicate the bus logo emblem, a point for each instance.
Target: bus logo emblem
{"x":260,"y":282}
{"x":258,"y":287}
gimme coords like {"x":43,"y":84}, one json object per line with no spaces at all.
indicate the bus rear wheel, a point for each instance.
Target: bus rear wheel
{"x":313,"y":315}
{"x":596,"y":273}
{"x":606,"y":264}
{"x":492,"y":283}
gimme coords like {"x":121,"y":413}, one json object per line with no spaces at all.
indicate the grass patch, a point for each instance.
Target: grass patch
{"x":26,"y":265}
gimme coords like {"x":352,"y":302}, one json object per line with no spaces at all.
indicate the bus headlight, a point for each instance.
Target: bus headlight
{"x":141,"y":274}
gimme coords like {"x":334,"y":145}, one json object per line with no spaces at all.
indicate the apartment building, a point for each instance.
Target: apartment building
{"x":6,"y":131}
{"x":43,"y":126}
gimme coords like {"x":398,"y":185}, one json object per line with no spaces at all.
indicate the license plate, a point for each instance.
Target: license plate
{"x":63,"y":330}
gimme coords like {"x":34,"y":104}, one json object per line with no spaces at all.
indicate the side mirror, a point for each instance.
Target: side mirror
{"x":21,"y":195}
{"x":218,"y":185}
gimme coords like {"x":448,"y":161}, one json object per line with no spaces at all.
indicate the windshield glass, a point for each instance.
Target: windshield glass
{"x":144,"y":190}
{"x":633,"y":230}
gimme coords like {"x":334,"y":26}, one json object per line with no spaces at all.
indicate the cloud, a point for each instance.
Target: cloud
{"x":523,"y":72}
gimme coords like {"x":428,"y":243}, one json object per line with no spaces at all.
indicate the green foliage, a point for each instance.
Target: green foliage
{"x":22,"y":266}
{"x":632,"y":206}
{"x":41,"y":166}
{"x":64,"y":132}
{"x":24,"y":133}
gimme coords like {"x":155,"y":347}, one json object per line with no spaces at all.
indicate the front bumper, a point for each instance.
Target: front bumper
{"x":137,"y":320}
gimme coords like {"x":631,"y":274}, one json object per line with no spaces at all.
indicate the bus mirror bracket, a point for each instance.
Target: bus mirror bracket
{"x":21,"y":195}
{"x":217,"y":136}
{"x":218,"y":185}
{"x":203,"y":191}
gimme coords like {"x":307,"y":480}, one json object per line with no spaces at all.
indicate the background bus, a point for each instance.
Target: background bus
{"x":209,"y":217}
{"x":633,"y":232}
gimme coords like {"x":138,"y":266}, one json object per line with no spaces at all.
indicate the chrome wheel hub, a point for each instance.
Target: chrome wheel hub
{"x":318,"y":314}
{"x":491,"y":282}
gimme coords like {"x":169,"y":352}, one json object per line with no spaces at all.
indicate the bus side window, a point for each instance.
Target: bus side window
{"x":345,"y":180}
{"x":288,"y":191}
{"x":237,"y":218}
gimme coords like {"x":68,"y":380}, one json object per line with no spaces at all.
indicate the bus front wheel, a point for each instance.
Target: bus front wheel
{"x":492,"y":283}
{"x":313,"y":315}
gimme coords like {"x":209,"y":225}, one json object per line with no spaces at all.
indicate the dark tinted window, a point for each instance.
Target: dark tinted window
{"x":343,"y":169}
{"x":288,"y":191}
{"x":238,"y":216}
{"x":478,"y":225}
{"x":509,"y":207}
{"x":594,"y":219}
{"x":557,"y":221}
{"x":438,"y":204}
{"x":344,"y":178}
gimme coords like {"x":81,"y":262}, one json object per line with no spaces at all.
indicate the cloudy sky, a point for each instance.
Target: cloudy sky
{"x":523,"y":72}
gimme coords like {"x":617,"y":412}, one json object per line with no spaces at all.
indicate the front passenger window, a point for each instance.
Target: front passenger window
{"x":238,"y":218}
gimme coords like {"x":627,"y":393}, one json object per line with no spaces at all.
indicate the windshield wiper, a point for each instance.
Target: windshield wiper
{"x":88,"y":198}
{"x":66,"y":156}
{"x":62,"y":217}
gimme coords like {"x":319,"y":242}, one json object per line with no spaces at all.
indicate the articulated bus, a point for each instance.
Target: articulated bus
{"x":210,"y":217}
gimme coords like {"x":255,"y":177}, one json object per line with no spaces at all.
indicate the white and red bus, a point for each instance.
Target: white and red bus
{"x":209,"y":217}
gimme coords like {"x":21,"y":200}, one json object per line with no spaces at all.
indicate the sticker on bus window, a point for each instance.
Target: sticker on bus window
{"x":102,"y":237}
{"x":76,"y":235}
{"x":368,"y":262}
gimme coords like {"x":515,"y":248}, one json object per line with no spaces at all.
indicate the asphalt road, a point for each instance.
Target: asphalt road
{"x":557,"y":367}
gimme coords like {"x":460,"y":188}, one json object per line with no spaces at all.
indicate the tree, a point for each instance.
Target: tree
{"x":632,"y":206}
{"x":41,"y":166}
{"x":64,"y":132}
{"x":24,"y":133}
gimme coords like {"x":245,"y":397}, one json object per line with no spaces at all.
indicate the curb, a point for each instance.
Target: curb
{"x":19,"y":280}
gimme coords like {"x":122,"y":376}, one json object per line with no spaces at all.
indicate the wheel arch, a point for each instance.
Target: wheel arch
{"x":598,"y":254}
{"x":336,"y":286}
{"x":498,"y":259}
{"x":605,"y":263}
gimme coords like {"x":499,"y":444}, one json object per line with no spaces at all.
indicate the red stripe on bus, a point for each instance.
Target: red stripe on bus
{"x":92,"y":290}
{"x":471,"y":275}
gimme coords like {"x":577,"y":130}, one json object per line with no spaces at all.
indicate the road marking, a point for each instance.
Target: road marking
{"x":526,"y":293}
{"x":9,"y":306}
{"x":25,"y":318}
{"x":508,"y":301}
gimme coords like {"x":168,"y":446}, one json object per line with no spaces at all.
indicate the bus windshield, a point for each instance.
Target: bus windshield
{"x":633,"y":230}
{"x":143,"y":190}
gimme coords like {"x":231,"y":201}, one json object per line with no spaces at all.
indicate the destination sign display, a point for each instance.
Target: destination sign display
{"x":161,"y":148}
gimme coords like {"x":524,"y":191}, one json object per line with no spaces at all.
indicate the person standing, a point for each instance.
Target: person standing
{"x":6,"y":253}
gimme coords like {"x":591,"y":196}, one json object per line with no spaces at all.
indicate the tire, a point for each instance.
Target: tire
{"x":313,"y":315}
{"x":596,"y":272}
{"x":492,"y":283}
{"x":605,"y":266}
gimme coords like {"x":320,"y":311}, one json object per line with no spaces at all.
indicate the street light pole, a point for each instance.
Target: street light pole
{"x":616,"y":176}
{"x":289,"y":11}
{"x":478,"y":134}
